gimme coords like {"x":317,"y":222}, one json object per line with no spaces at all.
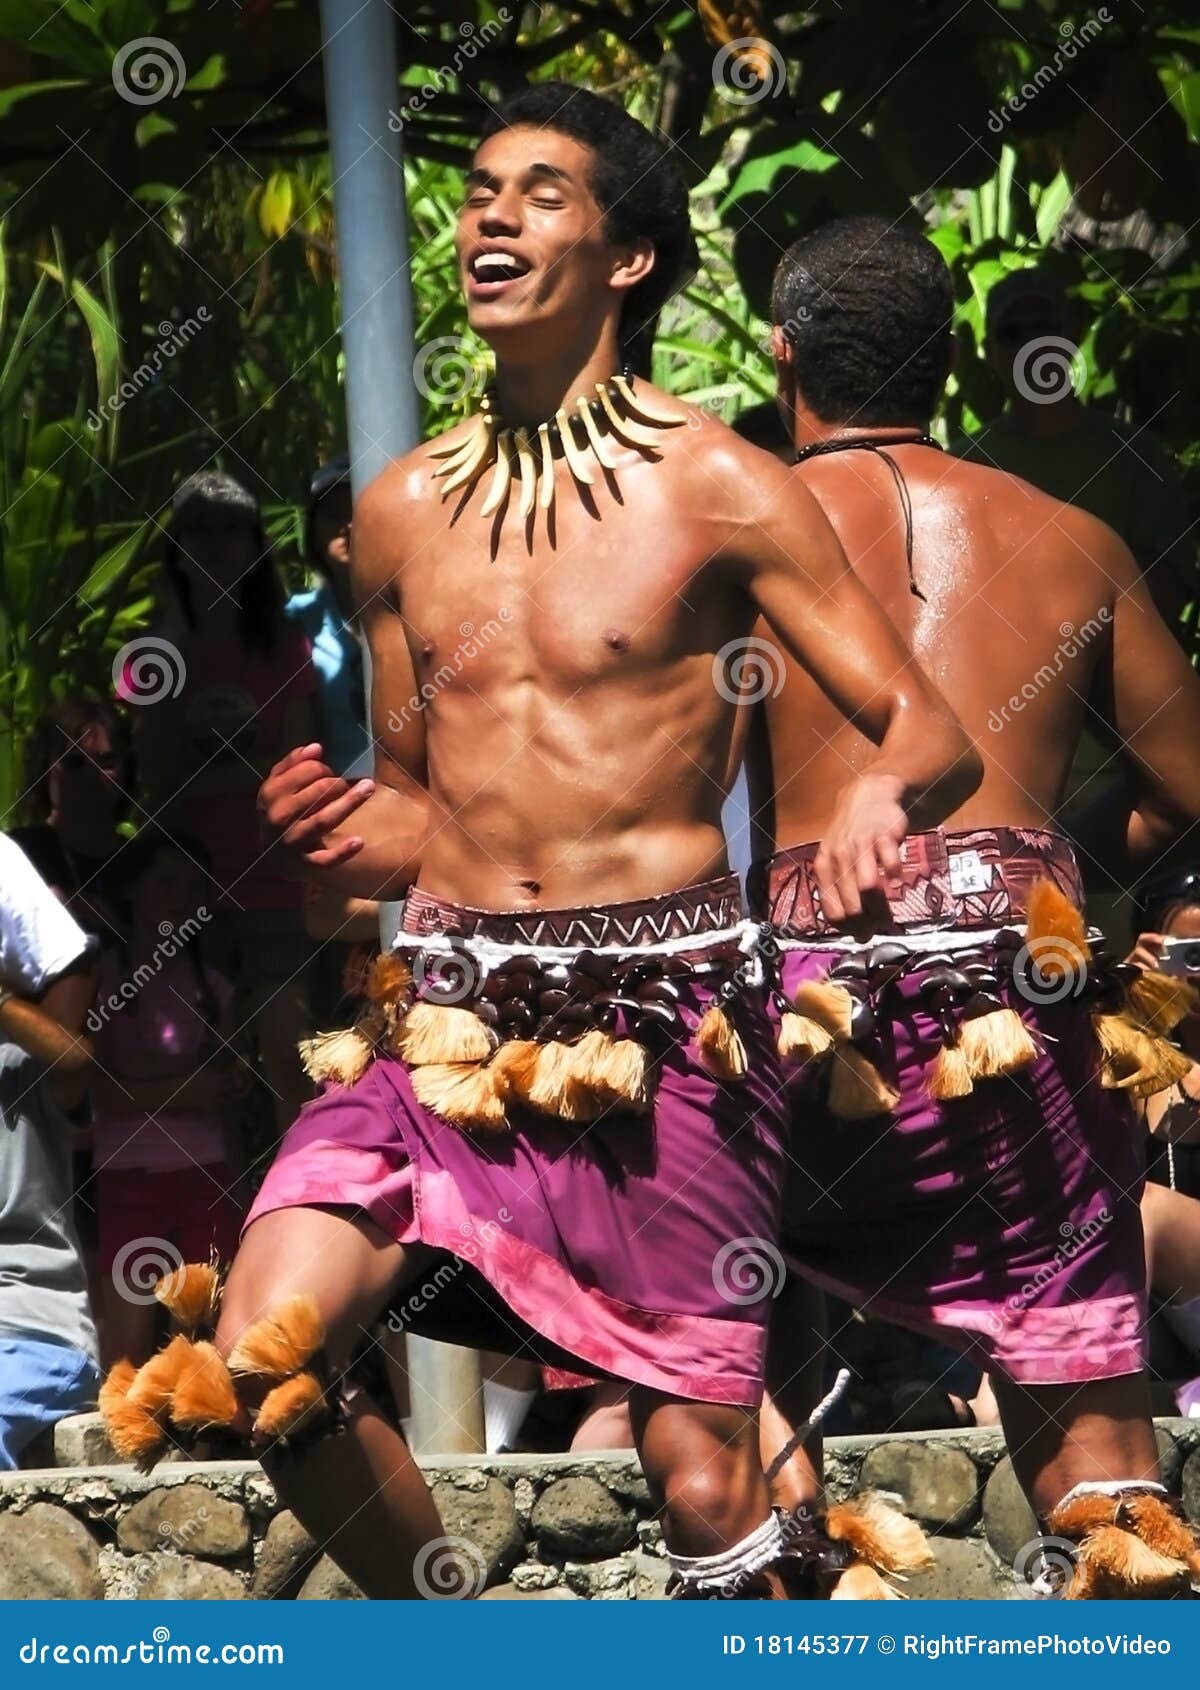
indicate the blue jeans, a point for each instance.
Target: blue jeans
{"x":40,"y":1383}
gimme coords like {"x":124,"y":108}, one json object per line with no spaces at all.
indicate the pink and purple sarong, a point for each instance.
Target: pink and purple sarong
{"x":628,"y":1246}
{"x":1005,"y":1222}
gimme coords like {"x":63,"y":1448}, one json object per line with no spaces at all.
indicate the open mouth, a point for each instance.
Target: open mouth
{"x":491,"y":272}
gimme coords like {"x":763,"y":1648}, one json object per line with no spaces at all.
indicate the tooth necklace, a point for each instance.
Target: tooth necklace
{"x":631,"y":419}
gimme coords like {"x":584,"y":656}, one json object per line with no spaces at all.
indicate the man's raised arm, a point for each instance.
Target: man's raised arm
{"x":1149,"y":700}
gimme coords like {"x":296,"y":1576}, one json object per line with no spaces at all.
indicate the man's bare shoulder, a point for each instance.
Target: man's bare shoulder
{"x":404,"y":485}
{"x":1045,"y":521}
{"x":731,"y":478}
{"x":392,"y":516}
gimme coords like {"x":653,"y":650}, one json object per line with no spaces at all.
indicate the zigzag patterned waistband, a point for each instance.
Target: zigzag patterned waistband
{"x":694,"y":916}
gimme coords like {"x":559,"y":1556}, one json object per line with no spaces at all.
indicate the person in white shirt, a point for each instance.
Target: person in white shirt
{"x":49,"y":1354}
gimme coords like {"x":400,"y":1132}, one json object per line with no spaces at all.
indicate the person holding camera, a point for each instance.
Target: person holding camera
{"x":1169,"y":941}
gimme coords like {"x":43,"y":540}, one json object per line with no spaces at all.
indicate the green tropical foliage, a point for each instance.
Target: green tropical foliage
{"x":169,"y":284}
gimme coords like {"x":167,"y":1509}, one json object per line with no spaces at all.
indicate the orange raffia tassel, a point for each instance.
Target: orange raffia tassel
{"x":719,"y":1045}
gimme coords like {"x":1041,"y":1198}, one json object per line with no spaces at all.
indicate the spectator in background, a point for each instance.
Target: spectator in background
{"x":1074,"y":452}
{"x":233,"y":691}
{"x":326,"y":617}
{"x":1169,"y":909}
{"x":79,"y":785}
{"x":48,"y":1347}
{"x":79,"y":779}
{"x":166,"y":1147}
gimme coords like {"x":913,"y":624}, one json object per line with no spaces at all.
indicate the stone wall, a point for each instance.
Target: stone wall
{"x":557,"y":1527}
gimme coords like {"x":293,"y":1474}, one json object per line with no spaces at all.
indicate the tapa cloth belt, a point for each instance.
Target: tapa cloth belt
{"x":976,"y":878}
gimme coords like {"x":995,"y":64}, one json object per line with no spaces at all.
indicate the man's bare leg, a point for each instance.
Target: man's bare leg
{"x":701,"y":1463}
{"x":605,"y":1423}
{"x":795,"y":1356}
{"x":359,"y":1493}
{"x":1060,"y":1436}
{"x":1171,"y":1224}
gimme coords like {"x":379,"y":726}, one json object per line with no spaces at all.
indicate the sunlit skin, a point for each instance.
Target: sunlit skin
{"x":1023,"y":596}
{"x":570,"y":748}
{"x":580,"y":754}
{"x":1009,"y":576}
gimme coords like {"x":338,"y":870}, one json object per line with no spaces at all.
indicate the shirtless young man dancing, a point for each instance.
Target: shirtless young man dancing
{"x":566,"y":1060}
{"x":957,"y":1167}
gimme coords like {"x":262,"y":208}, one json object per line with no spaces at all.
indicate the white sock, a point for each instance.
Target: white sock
{"x":730,"y":1569}
{"x":504,"y":1411}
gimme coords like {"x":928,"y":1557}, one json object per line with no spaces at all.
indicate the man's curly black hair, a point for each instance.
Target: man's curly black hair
{"x":867,"y":310}
{"x":635,"y":181}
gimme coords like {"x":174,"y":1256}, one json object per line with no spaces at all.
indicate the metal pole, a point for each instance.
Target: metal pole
{"x":383,"y":422}
{"x":368,"y":197}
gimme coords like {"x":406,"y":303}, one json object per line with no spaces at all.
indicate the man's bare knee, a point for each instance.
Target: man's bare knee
{"x":344,"y":1261}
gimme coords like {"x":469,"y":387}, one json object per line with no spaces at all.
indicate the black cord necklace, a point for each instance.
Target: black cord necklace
{"x":877,"y":444}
